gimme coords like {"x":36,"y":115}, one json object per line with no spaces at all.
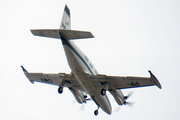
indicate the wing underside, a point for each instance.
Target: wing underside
{"x":120,"y":82}
{"x":114,"y":82}
{"x":53,"y":79}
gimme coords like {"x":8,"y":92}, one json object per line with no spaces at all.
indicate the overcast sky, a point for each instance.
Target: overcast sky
{"x":131,"y":37}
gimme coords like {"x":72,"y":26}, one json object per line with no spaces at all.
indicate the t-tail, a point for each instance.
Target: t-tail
{"x":65,"y":29}
{"x":66,"y":19}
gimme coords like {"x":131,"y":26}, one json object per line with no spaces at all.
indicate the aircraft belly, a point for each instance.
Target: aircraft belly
{"x":76,"y":66}
{"x":104,"y":103}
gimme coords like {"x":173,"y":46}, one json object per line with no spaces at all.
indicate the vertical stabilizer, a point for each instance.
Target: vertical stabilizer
{"x":66,"y":19}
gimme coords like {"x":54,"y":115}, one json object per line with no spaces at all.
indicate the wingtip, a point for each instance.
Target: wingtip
{"x":153,"y":77}
{"x":24,"y":70}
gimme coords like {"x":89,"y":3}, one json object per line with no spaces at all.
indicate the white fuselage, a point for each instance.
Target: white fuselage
{"x":80,"y":66}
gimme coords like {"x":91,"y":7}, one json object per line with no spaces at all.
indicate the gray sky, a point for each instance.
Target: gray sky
{"x":131,"y":37}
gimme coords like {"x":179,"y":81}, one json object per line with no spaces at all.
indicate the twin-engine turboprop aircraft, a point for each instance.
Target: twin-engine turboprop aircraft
{"x":84,"y":78}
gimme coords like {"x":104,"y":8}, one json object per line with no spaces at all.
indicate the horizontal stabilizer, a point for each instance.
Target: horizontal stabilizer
{"x":69,"y":34}
{"x":52,"y":33}
{"x":74,"y":34}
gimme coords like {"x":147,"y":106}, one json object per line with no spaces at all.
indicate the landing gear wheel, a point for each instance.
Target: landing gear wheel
{"x":103,"y":92}
{"x":96,"y":112}
{"x":60,"y":90}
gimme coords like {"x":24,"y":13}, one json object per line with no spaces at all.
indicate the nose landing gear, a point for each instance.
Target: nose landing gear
{"x":96,"y":111}
{"x":60,"y":90}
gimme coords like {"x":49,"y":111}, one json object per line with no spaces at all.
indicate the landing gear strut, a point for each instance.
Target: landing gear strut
{"x":60,"y":89}
{"x":96,"y":111}
{"x":105,"y":86}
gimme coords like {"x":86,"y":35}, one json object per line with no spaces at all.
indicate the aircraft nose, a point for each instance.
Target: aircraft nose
{"x":106,"y":106}
{"x":109,"y":111}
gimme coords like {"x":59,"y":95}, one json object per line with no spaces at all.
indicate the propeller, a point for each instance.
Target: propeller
{"x":130,"y":104}
{"x":82,"y":108}
{"x":117,"y":109}
{"x":73,"y":102}
{"x":129,"y":94}
{"x":88,"y":99}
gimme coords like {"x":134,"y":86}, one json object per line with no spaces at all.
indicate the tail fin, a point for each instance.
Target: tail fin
{"x":65,"y":29}
{"x":66,"y":19}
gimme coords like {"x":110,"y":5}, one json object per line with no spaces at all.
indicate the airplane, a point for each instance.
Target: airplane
{"x":84,"y":79}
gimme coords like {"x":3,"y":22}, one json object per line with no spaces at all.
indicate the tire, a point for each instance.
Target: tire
{"x":103,"y":92}
{"x":96,"y":112}
{"x":60,"y":90}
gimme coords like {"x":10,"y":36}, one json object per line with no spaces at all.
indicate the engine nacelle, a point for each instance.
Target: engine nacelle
{"x":118,"y":96}
{"x":79,"y":96}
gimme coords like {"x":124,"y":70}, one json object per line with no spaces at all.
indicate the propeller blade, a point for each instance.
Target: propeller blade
{"x":130,"y":104}
{"x":129,"y":94}
{"x":82,"y":108}
{"x":73,"y":102}
{"x":88,"y":99}
{"x":117,"y":109}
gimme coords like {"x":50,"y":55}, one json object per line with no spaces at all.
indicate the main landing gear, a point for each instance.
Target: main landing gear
{"x":104,"y":85}
{"x":60,"y":89}
{"x":103,"y":92}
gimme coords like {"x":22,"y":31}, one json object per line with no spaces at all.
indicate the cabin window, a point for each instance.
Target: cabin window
{"x":86,"y":59}
{"x":91,"y":65}
{"x":96,"y":72}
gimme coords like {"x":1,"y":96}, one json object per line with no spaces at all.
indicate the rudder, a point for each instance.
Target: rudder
{"x":66,"y":19}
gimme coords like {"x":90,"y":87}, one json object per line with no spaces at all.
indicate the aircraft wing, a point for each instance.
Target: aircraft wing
{"x":118,"y":82}
{"x":52,"y":79}
{"x":114,"y":82}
